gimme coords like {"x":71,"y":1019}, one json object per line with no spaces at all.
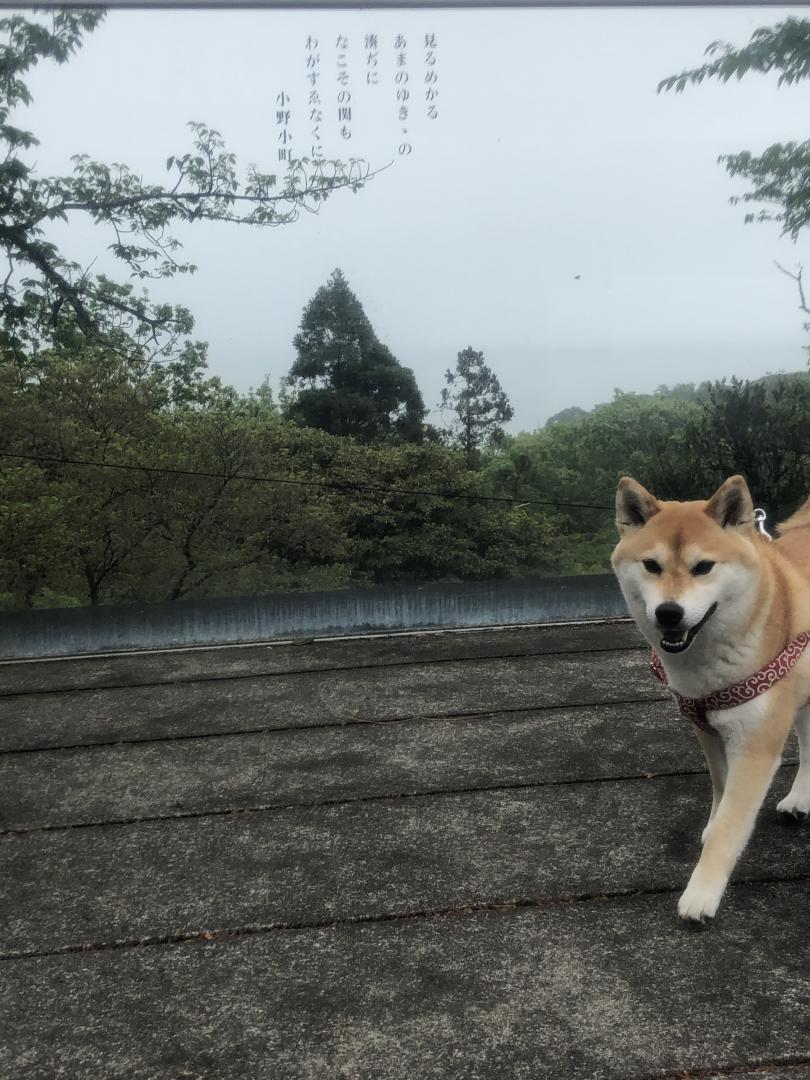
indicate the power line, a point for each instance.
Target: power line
{"x":325,"y":484}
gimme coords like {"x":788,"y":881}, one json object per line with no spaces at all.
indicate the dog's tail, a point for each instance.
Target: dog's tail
{"x":799,"y":520}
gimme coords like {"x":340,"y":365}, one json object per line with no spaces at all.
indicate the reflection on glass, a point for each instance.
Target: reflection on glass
{"x":307,"y":300}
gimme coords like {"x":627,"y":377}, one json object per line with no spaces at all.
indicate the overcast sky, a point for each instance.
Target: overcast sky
{"x":557,"y":214}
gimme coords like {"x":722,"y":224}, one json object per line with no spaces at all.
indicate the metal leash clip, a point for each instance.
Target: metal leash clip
{"x":760,"y":517}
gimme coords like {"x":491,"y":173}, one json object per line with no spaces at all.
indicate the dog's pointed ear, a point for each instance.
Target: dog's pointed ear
{"x":731,"y":506}
{"x":634,"y":505}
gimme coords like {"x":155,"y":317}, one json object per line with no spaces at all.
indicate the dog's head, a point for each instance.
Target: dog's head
{"x":686,"y":568}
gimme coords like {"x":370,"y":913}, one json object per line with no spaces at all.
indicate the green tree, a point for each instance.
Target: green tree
{"x":478,"y":405}
{"x":93,"y":404}
{"x":45,"y":294}
{"x":332,"y":512}
{"x":780,"y":175}
{"x":758,"y":429}
{"x":344,"y":380}
{"x":684,"y":391}
{"x":261,"y":402}
{"x":36,"y":536}
{"x":565,"y":416}
{"x":580,"y":462}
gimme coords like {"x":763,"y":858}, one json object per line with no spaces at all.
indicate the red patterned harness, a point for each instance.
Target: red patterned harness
{"x":695,"y":709}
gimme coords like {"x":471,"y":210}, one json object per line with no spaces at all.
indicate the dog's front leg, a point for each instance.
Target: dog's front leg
{"x":715,"y":755}
{"x":753,"y":757}
{"x":797,"y":801}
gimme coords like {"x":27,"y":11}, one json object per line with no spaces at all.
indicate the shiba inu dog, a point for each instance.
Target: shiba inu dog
{"x":727,"y":613}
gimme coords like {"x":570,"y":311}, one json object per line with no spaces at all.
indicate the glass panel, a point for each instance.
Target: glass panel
{"x":386,"y":297}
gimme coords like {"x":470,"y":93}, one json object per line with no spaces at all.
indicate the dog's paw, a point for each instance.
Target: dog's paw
{"x":699,"y":902}
{"x":796,"y":805}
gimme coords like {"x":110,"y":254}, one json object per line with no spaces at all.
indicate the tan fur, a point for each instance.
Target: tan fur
{"x":761,"y":596}
{"x":794,"y":539}
{"x":799,"y":520}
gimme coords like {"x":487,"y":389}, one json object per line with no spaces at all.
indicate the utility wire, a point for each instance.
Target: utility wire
{"x":325,"y":484}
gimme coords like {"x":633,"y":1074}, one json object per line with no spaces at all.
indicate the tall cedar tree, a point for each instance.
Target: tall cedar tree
{"x":480,"y":407}
{"x":346,"y":381}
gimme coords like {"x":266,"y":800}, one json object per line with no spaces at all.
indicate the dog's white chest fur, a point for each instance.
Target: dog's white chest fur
{"x":734,"y":725}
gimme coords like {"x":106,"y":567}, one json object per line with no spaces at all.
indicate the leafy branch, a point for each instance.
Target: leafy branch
{"x":784,"y":48}
{"x":45,"y":294}
{"x":780,"y":175}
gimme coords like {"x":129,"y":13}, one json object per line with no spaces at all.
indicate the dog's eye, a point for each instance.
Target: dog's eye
{"x":703,"y":567}
{"x":651,"y":566}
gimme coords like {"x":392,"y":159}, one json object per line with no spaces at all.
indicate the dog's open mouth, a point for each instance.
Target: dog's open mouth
{"x":678,"y":641}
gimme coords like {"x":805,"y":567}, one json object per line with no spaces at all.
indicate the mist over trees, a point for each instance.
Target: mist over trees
{"x":129,"y":473}
{"x":276,"y":505}
{"x":283,"y":506}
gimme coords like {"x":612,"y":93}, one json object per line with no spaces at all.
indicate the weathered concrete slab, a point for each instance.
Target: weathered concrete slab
{"x":316,"y":698}
{"x":312,"y":865}
{"x":141,"y":780}
{"x":587,"y":991}
{"x":228,"y":662}
{"x":789,"y":1072}
{"x":325,"y":804}
{"x":136,"y":780}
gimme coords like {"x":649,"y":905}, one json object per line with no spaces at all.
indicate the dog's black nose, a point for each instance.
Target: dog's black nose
{"x":669,"y":614}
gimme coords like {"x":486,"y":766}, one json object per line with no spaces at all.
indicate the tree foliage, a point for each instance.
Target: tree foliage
{"x":760,"y":430}
{"x":478,"y":406}
{"x":565,"y":416}
{"x":329,"y":512}
{"x":344,"y":380}
{"x":45,"y":294}
{"x":123,"y":479}
{"x":780,"y":174}
{"x":784,"y":48}
{"x":579,"y":461}
{"x":680,"y":444}
{"x":338,"y":512}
